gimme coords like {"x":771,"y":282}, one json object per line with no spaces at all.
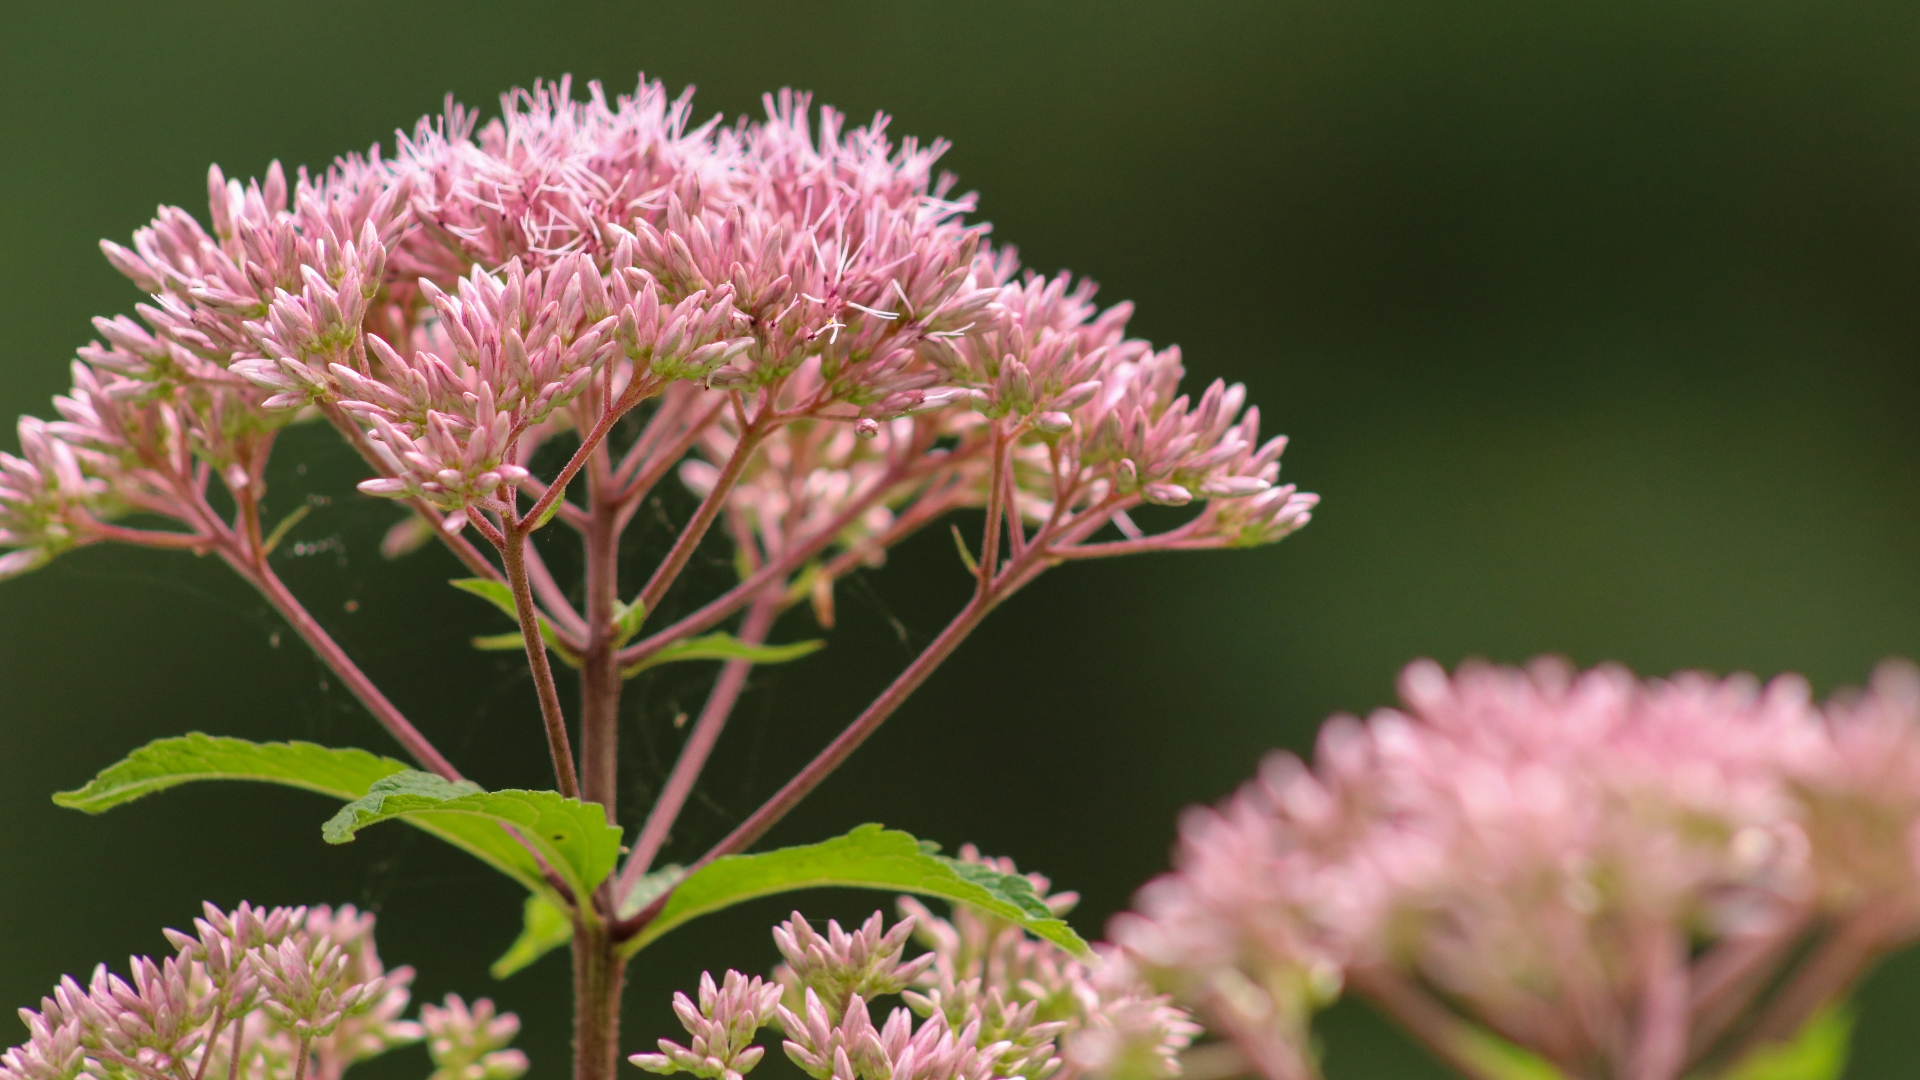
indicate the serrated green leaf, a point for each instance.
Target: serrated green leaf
{"x":499,"y":595}
{"x":724,"y":646}
{"x":345,"y":774}
{"x":574,"y":838}
{"x":869,"y":857}
{"x":543,"y":928}
{"x":165,"y":763}
{"x":1818,"y":1052}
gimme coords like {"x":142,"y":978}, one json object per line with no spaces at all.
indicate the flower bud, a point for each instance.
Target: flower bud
{"x":1053,"y":423}
{"x":1230,"y":487}
{"x":1165,"y":494}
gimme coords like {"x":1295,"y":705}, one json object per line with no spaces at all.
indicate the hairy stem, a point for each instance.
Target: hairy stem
{"x":693,"y":756}
{"x":598,"y":978}
{"x":262,"y":577}
{"x":513,"y":553}
{"x":600,"y":681}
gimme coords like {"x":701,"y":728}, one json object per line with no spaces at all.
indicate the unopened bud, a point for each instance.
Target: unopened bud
{"x":1053,"y":423}
{"x":867,"y":428}
{"x":1165,"y":494}
{"x":1231,"y":487}
{"x":1079,"y":394}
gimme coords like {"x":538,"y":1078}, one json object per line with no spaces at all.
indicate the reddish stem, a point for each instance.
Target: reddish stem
{"x":600,"y":681}
{"x":696,"y":530}
{"x":263,"y":578}
{"x":512,"y":551}
{"x":693,"y":756}
{"x":789,"y":560}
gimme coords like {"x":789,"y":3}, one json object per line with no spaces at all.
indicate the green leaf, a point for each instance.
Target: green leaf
{"x":499,"y":595}
{"x":345,"y":774}
{"x":1502,"y":1060}
{"x":286,"y":525}
{"x":544,"y":928}
{"x":574,"y":838}
{"x":869,"y":857}
{"x":626,"y":621}
{"x":1819,"y":1052}
{"x":649,"y":887}
{"x":966,"y":555}
{"x":552,"y":509}
{"x":165,"y":763}
{"x":724,"y":646}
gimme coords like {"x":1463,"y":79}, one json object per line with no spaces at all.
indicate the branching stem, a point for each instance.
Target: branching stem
{"x":513,"y":553}
{"x":693,"y":756}
{"x":262,"y":577}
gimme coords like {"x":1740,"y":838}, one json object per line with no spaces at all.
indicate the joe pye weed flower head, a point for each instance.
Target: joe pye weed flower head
{"x":795,"y":320}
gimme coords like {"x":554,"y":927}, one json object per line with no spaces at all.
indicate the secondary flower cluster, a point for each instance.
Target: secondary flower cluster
{"x":261,"y":994}
{"x":453,"y":306}
{"x":1619,"y":876}
{"x":990,"y":1002}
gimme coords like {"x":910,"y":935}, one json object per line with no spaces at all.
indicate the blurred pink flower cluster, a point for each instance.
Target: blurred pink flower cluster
{"x":991,"y":1004}
{"x":281,"y":994}
{"x":457,"y":303}
{"x":1624,"y":878}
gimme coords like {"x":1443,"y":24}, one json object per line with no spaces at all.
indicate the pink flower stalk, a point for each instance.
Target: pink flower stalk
{"x":267,"y":995}
{"x":1612,"y":874}
{"x":993,"y":1004}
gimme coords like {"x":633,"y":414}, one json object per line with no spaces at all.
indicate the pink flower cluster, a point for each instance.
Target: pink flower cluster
{"x":261,"y":994}
{"x":1626,"y":878}
{"x":456,"y":304}
{"x":991,"y":1003}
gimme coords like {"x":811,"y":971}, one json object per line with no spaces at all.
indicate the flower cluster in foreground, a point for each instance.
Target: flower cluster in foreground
{"x":985,"y":1002}
{"x":455,"y":305}
{"x":280,"y":994}
{"x":1626,"y":878}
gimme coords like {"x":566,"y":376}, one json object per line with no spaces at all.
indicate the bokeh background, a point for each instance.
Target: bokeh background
{"x":1595,"y":325}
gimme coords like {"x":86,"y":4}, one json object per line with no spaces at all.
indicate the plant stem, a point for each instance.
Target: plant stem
{"x":693,"y":756}
{"x":331,"y":654}
{"x":696,"y":530}
{"x":857,"y":732}
{"x":600,"y":681}
{"x":1435,"y":1025}
{"x":462,"y":549}
{"x":598,"y":978}
{"x":790,"y":559}
{"x":513,"y":553}
{"x":1824,"y":975}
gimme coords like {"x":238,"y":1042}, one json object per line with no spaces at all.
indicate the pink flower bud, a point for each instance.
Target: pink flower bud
{"x":1165,"y":494}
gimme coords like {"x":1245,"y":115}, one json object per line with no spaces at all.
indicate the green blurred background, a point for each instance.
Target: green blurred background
{"x":1594,"y":325}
